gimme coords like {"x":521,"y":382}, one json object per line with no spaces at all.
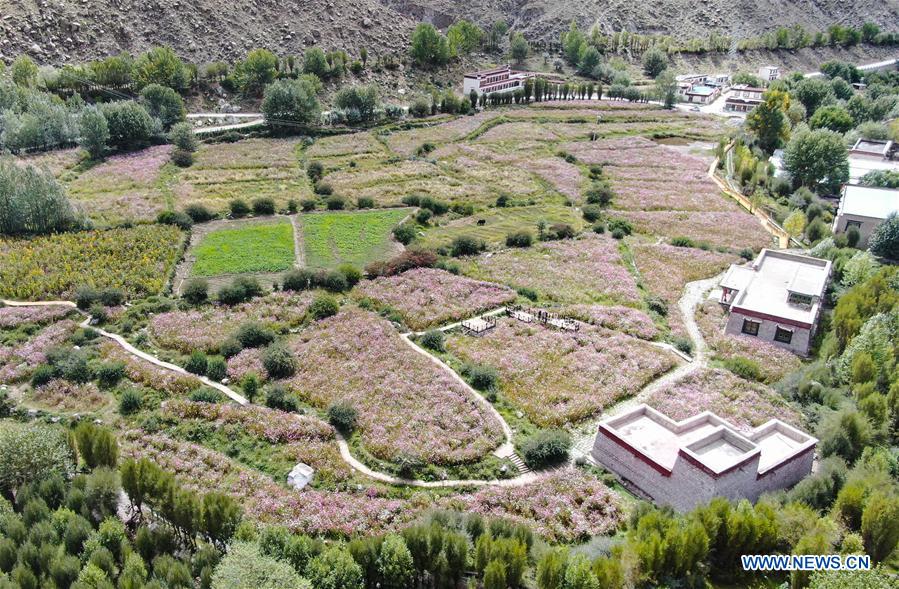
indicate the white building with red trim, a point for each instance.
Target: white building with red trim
{"x":686,"y":463}
{"x":500,"y":79}
{"x":776,"y":299}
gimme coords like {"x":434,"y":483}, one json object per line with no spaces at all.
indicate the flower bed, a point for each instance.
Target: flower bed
{"x":775,"y":362}
{"x":735,"y":230}
{"x":334,"y":514}
{"x":583,"y":270}
{"x":137,"y":260}
{"x":563,"y":507}
{"x":17,"y":362}
{"x":427,"y":297}
{"x":745,"y":404}
{"x":148,"y":374}
{"x":67,"y":396}
{"x":206,"y":328}
{"x":624,"y":319}
{"x":11,"y":317}
{"x":408,"y":406}
{"x":560,"y":377}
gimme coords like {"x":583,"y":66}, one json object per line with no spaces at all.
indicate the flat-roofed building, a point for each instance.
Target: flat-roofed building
{"x":769,"y":73}
{"x":500,"y":80}
{"x":684,"y":464}
{"x":776,"y":299}
{"x":701,"y":94}
{"x":743,"y":98}
{"x":865,"y":208}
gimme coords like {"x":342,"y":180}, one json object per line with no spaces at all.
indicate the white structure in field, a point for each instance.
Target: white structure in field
{"x":686,"y":463}
{"x":500,"y":79}
{"x":776,"y":299}
{"x":743,"y":98}
{"x":769,"y":73}
{"x":864,"y":207}
{"x":868,"y":155}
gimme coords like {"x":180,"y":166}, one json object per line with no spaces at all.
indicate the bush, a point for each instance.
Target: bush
{"x":419,"y":108}
{"x":292,"y":206}
{"x":404,"y":233}
{"x":618,"y":233}
{"x":744,"y":368}
{"x":621,"y":225}
{"x":853,"y":236}
{"x":684,"y":345}
{"x":502,"y":200}
{"x":178,"y":219}
{"x":43,"y":374}
{"x":131,"y":402}
{"x":433,"y":340}
{"x":308,"y":204}
{"x":216,"y":368}
{"x":323,"y":306}
{"x":196,"y":363}
{"x":238,"y":208}
{"x":351,"y":274}
{"x":331,"y":280}
{"x":528,"y":293}
{"x":600,"y":194}
{"x":315,"y":171}
{"x":657,"y":305}
{"x":483,"y":378}
{"x":278,"y":361}
{"x":747,"y":254}
{"x":85,"y":296}
{"x":198,"y":213}
{"x":34,"y":202}
{"x":342,"y":416}
{"x":411,"y":258}
{"x":277,"y":397}
{"x":206,"y":395}
{"x":323,"y":188}
{"x":560,"y":231}
{"x":365,"y":202}
{"x":230,"y":347}
{"x":438,"y":207}
{"x":241,"y":289}
{"x":520,"y":239}
{"x":682,"y":242}
{"x":195,"y":291}
{"x":109,"y":374}
{"x":592,"y":213}
{"x":466,"y":245}
{"x":263,"y":206}
{"x":297,"y":280}
{"x":335,"y":203}
{"x":423,"y":216}
{"x":599,"y":228}
{"x":253,"y":334}
{"x":546,"y":448}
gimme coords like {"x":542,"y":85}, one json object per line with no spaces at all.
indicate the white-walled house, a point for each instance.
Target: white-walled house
{"x":500,"y":79}
{"x":684,"y":464}
{"x":743,"y":98}
{"x":701,"y":94}
{"x":769,"y":73}
{"x":864,"y":207}
{"x":776,"y":299}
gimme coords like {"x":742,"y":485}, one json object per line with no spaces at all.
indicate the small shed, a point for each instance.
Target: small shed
{"x":300,"y":476}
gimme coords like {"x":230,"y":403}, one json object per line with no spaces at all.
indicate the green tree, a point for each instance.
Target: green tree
{"x":498,"y":30}
{"x":519,"y":48}
{"x":290,"y":102}
{"x":94,"y":132}
{"x":579,"y":574}
{"x":115,"y":70}
{"x":161,"y":66}
{"x":24,"y":71}
{"x":255,"y":72}
{"x":655,"y":61}
{"x":831,"y":117}
{"x":572,"y":43}
{"x":464,"y":37}
{"x":334,"y":569}
{"x":182,"y":137}
{"x":429,"y":47}
{"x":813,"y":93}
{"x":163,"y":103}
{"x":666,"y":88}
{"x":495,"y":575}
{"x":551,"y":569}
{"x":130,"y":125}
{"x":795,"y":223}
{"x":32,"y":201}
{"x":395,"y":566}
{"x":818,"y":160}
{"x":31,"y":453}
{"x":588,"y":60}
{"x":884,"y":241}
{"x":880,"y":525}
{"x":768,"y":121}
{"x":316,"y":62}
{"x":245,"y":567}
{"x":220,"y":517}
{"x":364,"y":99}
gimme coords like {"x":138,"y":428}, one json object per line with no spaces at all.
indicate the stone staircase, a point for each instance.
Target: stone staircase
{"x":519,"y":464}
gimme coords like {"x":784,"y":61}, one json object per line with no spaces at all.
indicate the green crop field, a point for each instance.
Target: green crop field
{"x":356,"y":238}
{"x":254,"y":248}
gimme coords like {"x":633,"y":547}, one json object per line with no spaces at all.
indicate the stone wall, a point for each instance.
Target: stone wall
{"x":798,"y":345}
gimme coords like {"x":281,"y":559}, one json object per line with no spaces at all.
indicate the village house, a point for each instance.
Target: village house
{"x":769,"y":73}
{"x":776,"y":299}
{"x":743,"y":98}
{"x":687,"y":463}
{"x":691,"y":87}
{"x":864,"y":207}
{"x":869,"y":155}
{"x":500,"y":79}
{"x":701,"y":94}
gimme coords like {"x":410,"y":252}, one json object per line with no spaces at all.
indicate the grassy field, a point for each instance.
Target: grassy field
{"x":255,"y":248}
{"x":331,"y":239}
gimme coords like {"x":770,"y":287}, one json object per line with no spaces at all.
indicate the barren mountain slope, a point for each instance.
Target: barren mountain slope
{"x":204,"y":30}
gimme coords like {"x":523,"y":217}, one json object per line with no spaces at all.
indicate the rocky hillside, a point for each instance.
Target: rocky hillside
{"x":206,"y":30}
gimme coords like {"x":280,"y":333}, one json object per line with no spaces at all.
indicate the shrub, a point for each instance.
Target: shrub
{"x":560,"y":231}
{"x":331,"y":280}
{"x":433,"y":340}
{"x":85,"y":296}
{"x":323,"y":188}
{"x":323,"y":306}
{"x":335,"y":203}
{"x":351,"y":274}
{"x":404,"y":233}
{"x":299,"y":279}
{"x":308,"y":204}
{"x":527,"y":292}
{"x":413,"y":200}
{"x":592,"y":213}
{"x":253,"y":334}
{"x":502,"y":200}
{"x":411,"y":258}
{"x":278,"y":361}
{"x":230,"y":347}
{"x":250,"y":386}
{"x":423,"y":216}
{"x":196,"y":363}
{"x":419,"y":108}
{"x":342,"y":416}
{"x":744,"y":368}
{"x":112,"y":297}
{"x":747,"y":254}
{"x":657,"y":305}
{"x":682,"y":242}
{"x":109,"y":374}
{"x":483,"y":378}
{"x":195,"y":291}
{"x":618,"y":233}
{"x":216,"y":368}
{"x":277,"y":397}
{"x":365,"y":202}
{"x":599,"y":228}
{"x":466,"y":245}
{"x":131,"y":402}
{"x":520,"y":239}
{"x":853,"y":236}
{"x":98,"y":313}
{"x":198,"y":213}
{"x":683,"y":344}
{"x":424,"y":149}
{"x":182,"y":158}
{"x":43,"y":374}
{"x":292,"y":206}
{"x":315,"y":171}
{"x":238,"y":208}
{"x":206,"y":395}
{"x":466,"y":209}
{"x":621,"y":225}
{"x":546,"y":448}
{"x":178,"y":219}
{"x":263,"y":206}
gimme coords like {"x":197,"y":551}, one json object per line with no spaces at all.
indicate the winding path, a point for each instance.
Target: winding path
{"x":693,"y":295}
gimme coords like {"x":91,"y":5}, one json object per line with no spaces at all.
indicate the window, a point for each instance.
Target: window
{"x":856,"y":224}
{"x":800,"y":299}
{"x":750,"y":327}
{"x":783,"y":335}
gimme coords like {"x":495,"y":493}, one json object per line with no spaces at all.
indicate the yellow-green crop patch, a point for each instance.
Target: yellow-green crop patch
{"x":493,"y":225}
{"x":253,"y":248}
{"x":357,"y":238}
